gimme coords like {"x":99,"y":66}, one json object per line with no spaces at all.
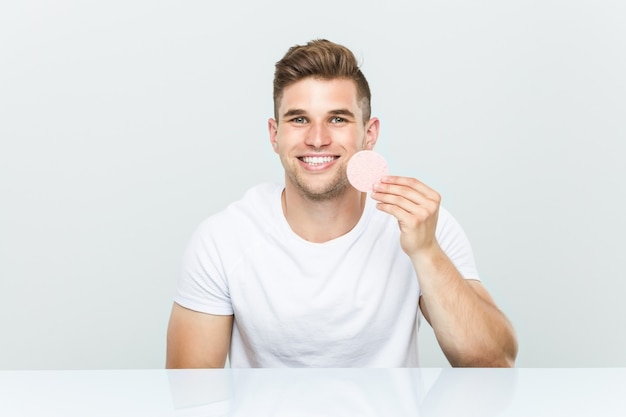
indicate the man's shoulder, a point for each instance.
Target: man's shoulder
{"x":258,"y":200}
{"x":266,"y":192}
{"x":446,"y":222}
{"x":257,"y":205}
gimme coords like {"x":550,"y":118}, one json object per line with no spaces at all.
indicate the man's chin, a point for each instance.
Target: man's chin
{"x":323,"y":193}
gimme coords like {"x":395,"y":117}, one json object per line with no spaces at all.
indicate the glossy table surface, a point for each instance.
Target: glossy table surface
{"x":315,"y":392}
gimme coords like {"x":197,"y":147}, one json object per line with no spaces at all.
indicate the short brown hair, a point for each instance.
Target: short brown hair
{"x":321,"y":59}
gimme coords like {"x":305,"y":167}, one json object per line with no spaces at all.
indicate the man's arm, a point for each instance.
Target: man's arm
{"x":469,"y":327}
{"x":197,"y":340}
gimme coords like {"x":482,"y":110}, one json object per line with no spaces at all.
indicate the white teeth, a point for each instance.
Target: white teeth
{"x":317,"y":160}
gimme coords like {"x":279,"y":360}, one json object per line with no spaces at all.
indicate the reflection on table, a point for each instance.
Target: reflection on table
{"x":315,"y":392}
{"x":342,"y":392}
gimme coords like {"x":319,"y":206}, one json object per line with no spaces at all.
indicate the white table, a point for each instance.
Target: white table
{"x":315,"y":392}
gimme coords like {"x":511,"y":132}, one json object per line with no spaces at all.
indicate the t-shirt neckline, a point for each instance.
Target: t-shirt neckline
{"x":348,"y":237}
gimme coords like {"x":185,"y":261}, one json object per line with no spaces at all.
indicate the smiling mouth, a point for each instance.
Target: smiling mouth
{"x":317,"y":160}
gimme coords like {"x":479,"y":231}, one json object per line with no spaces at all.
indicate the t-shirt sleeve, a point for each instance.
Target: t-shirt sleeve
{"x":202,"y":283}
{"x":456,"y":245}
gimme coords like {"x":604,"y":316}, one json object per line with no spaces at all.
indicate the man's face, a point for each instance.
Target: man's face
{"x":320,"y":127}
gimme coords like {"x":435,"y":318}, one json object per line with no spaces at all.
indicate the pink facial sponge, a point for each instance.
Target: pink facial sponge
{"x":365,"y":169}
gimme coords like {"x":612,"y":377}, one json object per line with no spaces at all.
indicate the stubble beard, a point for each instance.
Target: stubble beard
{"x":319,"y":192}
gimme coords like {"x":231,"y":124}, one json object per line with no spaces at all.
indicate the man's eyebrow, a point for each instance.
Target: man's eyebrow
{"x":302,"y":112}
{"x":341,"y":112}
{"x":294,"y":112}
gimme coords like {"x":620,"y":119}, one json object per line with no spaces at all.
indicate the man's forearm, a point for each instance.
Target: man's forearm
{"x":469,"y":327}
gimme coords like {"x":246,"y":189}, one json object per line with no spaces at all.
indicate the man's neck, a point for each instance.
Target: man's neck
{"x":321,"y":221}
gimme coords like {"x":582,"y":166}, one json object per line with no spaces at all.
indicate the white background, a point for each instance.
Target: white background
{"x":123,"y":124}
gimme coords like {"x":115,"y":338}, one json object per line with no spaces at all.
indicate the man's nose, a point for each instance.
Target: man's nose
{"x":318,"y":135}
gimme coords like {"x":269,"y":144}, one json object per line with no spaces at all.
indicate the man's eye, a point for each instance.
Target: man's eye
{"x":337,"y":120}
{"x":298,"y":120}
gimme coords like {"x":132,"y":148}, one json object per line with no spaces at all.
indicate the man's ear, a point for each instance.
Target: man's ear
{"x":272,"y":127}
{"x":372,"y":129}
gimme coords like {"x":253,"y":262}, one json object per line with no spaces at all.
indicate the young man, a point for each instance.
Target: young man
{"x":314,"y":273}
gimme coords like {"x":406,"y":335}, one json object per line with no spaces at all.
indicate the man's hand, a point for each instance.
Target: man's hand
{"x":415,"y":206}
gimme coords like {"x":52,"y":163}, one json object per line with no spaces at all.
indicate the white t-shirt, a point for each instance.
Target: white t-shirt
{"x":348,"y":302}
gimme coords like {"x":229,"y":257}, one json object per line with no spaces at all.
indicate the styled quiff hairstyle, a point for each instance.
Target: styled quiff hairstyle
{"x":324,"y":60}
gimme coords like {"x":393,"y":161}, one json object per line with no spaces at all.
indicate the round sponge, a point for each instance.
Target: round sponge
{"x":365,"y":169}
